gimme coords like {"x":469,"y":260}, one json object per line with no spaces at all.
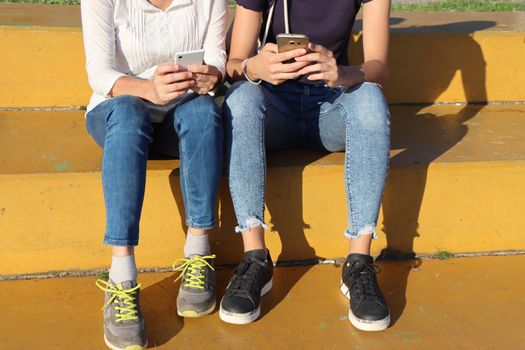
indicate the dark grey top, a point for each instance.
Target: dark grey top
{"x":325,"y":22}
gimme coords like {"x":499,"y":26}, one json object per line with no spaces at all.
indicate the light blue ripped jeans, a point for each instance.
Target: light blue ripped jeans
{"x":293,"y":114}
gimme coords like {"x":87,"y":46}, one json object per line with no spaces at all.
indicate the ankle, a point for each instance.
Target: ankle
{"x":122,"y":251}
{"x":360,"y":245}
{"x":123,"y":268}
{"x":253,"y":239}
{"x":197,"y":243}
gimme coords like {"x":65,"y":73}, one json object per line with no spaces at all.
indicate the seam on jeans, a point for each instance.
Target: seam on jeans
{"x":347,"y":175}
{"x":184,"y":172}
{"x":266,"y":103}
{"x":262,"y":144}
{"x":335,"y":105}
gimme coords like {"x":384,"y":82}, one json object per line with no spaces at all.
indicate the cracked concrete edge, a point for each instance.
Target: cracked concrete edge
{"x":308,"y":262}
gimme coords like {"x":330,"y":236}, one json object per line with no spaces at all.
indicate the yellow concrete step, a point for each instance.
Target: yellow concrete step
{"x":447,"y":57}
{"x":457,"y":183}
{"x":433,"y":304}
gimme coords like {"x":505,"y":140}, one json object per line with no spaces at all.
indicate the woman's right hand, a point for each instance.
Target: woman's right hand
{"x":269,"y":65}
{"x":169,"y":82}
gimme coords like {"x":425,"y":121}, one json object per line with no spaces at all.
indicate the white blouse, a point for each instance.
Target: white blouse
{"x":133,"y":37}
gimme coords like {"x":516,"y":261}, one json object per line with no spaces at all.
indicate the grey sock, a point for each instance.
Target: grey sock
{"x":123,"y":268}
{"x":196,"y":245}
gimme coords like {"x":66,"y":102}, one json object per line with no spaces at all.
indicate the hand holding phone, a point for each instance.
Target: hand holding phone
{"x":322,"y":66}
{"x":169,"y":82}
{"x":206,"y":78}
{"x":270,"y":64}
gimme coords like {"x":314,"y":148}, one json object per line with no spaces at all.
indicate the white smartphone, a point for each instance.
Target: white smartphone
{"x":188,"y":58}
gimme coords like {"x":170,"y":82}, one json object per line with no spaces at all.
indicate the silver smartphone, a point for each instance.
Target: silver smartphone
{"x":289,"y":42}
{"x":188,"y":58}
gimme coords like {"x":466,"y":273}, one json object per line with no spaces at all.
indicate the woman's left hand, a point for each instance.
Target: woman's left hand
{"x":323,"y":66}
{"x":206,"y":78}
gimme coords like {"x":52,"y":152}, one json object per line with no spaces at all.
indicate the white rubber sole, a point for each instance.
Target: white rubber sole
{"x":194,"y":314}
{"x":364,"y":325}
{"x":249,"y":317}
{"x":130,"y":347}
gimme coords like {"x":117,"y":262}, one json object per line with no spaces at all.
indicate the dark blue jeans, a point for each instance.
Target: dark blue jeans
{"x":191,"y":130}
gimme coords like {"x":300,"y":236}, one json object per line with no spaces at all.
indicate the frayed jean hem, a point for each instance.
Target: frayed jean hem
{"x":368,"y":230}
{"x":249,"y":224}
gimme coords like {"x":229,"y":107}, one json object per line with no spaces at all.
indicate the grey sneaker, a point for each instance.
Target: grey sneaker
{"x":123,"y":320}
{"x":197,"y":289}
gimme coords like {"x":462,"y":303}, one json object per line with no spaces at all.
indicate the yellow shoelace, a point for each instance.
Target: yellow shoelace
{"x":127,"y":296}
{"x":190,"y":268}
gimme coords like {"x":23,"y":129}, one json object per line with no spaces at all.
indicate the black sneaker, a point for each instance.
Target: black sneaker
{"x":368,"y":308}
{"x":251,"y":280}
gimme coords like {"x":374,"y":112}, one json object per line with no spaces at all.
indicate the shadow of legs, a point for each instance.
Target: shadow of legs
{"x":160,"y":311}
{"x":284,"y":199}
{"x":393,"y":279}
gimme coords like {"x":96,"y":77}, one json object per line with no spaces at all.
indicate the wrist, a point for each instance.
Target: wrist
{"x":220,"y":78}
{"x":344,"y":77}
{"x":247,"y":68}
{"x":150,"y":93}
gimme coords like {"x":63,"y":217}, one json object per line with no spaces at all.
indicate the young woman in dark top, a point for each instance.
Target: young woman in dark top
{"x":317,"y":101}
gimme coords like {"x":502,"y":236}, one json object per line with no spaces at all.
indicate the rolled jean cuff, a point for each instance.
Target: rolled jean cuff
{"x":121,"y":242}
{"x":205,"y":226}
{"x":250,"y":223}
{"x":368,"y":230}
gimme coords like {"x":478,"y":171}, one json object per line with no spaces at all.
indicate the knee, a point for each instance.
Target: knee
{"x":200,"y":115}
{"x":204,"y":107}
{"x":129,"y":111}
{"x":366,"y":106}
{"x":243,"y":101}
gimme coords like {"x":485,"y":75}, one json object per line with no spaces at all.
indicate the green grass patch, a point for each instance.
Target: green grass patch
{"x":54,"y":2}
{"x":435,"y":6}
{"x":463,"y":5}
{"x":443,"y":255}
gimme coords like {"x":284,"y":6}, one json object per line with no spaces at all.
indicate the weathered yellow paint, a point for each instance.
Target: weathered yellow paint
{"x":420,"y":135}
{"x":435,"y":61}
{"x":56,"y":221}
{"x":474,"y":303}
{"x":457,"y":182}
{"x":427,"y":67}
{"x":42,"y":67}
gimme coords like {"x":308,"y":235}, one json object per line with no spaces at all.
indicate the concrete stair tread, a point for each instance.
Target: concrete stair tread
{"x":434,"y":305}
{"x":56,"y":141}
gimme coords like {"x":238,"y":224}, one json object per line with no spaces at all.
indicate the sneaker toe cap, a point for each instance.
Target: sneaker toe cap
{"x":124,"y":337}
{"x":370,"y":311}
{"x":237,"y":305}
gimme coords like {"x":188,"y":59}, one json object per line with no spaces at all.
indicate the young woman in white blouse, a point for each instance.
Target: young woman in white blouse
{"x":143,"y":101}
